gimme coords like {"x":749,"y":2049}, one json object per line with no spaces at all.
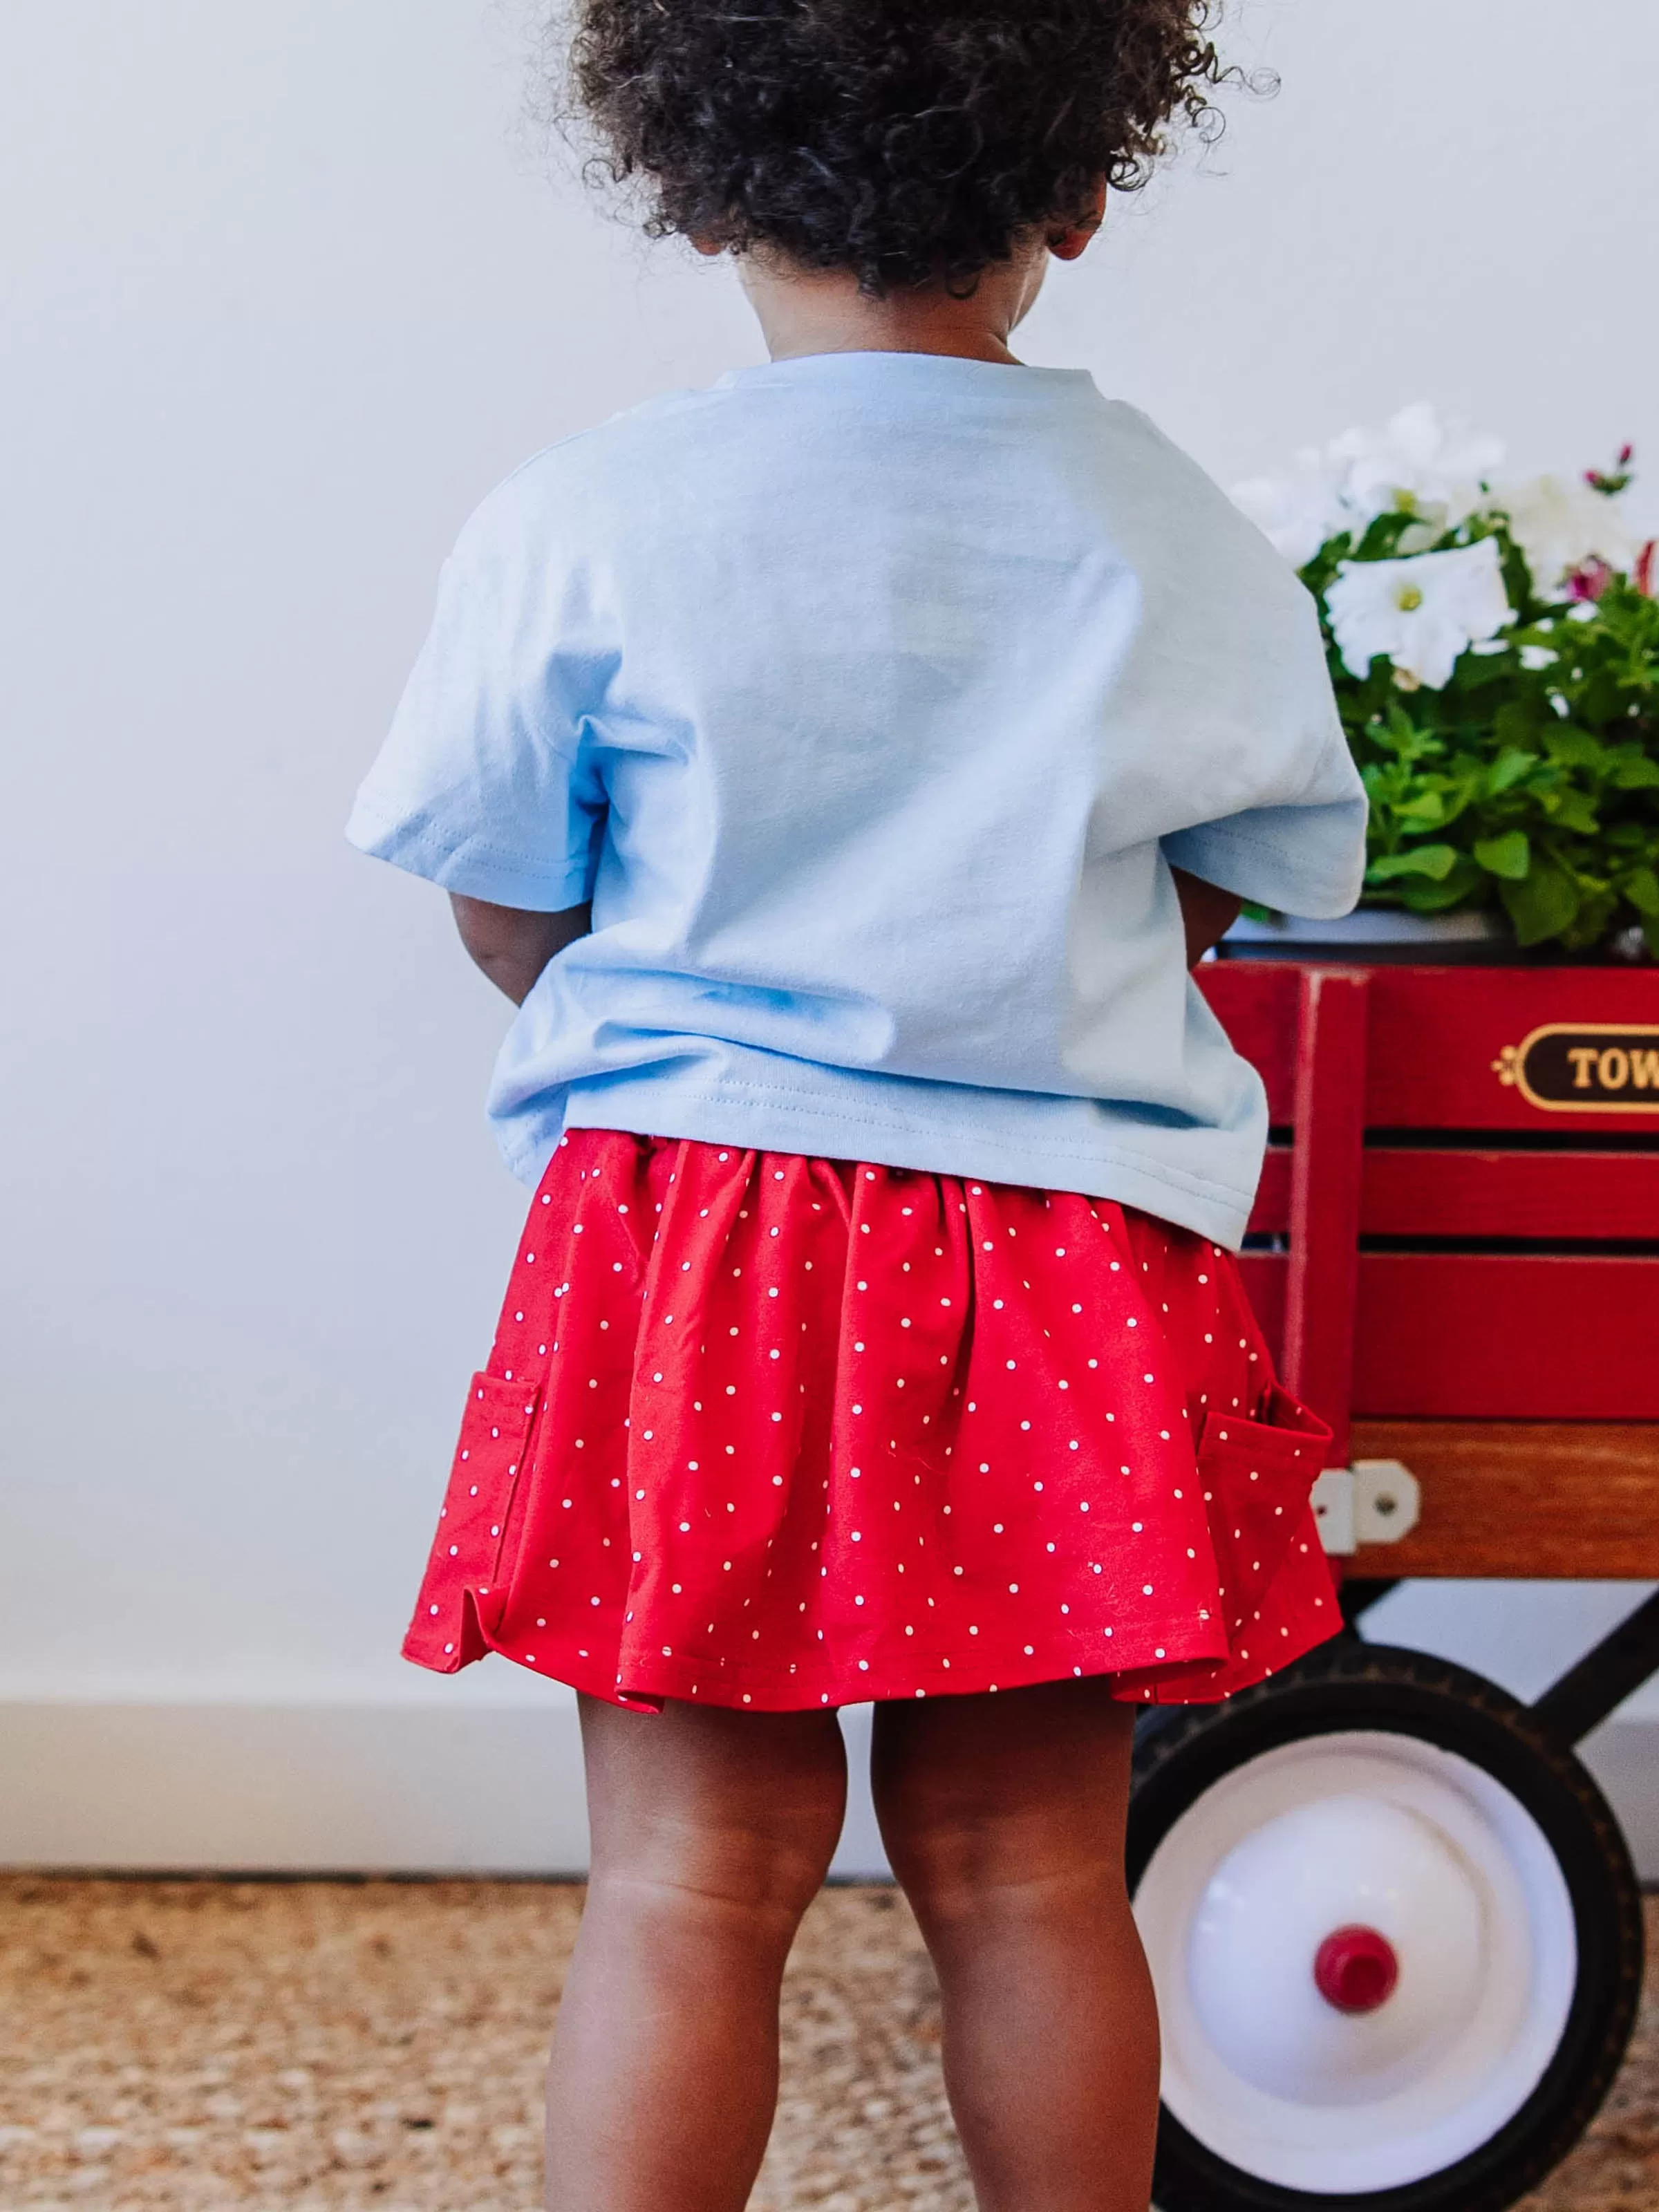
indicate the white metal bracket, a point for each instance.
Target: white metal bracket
{"x":1332,"y":1505}
{"x":1375,"y":1501}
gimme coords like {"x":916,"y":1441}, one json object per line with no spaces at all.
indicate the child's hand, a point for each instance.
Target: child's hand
{"x":1207,"y":911}
{"x":513,"y":946}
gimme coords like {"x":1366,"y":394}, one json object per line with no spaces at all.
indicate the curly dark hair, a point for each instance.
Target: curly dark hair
{"x":910,"y":142}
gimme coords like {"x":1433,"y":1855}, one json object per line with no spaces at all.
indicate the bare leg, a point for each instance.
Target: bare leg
{"x":1004,"y":1818}
{"x":712,"y":1831}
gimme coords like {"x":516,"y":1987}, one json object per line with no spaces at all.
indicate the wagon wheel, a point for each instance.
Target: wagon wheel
{"x":1396,"y":1935}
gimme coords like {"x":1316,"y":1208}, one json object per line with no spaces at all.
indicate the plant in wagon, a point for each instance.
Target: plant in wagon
{"x":1494,"y":646}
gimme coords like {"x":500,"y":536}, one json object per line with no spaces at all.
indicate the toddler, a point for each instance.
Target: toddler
{"x":841,"y":768}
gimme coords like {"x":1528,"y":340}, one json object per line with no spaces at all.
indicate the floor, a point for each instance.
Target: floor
{"x":326,"y":2046}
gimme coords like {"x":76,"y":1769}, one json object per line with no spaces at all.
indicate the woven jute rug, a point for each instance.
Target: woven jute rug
{"x":337,"y":2046}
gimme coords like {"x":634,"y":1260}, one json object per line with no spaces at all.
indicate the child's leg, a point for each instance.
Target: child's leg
{"x":712,"y":1831}
{"x":1004,"y":1818}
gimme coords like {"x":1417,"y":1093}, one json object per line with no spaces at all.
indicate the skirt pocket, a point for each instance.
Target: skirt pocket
{"x":460,"y":1598}
{"x":1257,"y":1475}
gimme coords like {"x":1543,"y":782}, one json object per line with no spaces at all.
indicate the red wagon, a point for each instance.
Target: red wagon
{"x":1394,"y":1924}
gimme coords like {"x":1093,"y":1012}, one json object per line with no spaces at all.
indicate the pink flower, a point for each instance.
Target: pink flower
{"x":1611,"y":482}
{"x":1591,"y":579}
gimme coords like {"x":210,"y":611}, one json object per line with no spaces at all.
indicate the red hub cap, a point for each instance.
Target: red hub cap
{"x":1355,"y":1969}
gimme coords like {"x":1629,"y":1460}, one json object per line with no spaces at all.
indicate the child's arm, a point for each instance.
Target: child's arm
{"x":513,"y":945}
{"x":1207,"y":911}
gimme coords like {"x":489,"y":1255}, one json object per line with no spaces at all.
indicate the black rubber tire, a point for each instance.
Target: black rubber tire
{"x":1183,"y":1751}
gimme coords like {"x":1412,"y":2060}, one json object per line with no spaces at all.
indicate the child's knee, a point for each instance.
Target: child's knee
{"x":736,"y":1812}
{"x":996,"y":1805}
{"x":764,"y":1871}
{"x":949,"y":1867}
{"x":974,"y":1865}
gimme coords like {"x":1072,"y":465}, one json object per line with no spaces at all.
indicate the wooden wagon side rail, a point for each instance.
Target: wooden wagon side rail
{"x":1522,"y":1499}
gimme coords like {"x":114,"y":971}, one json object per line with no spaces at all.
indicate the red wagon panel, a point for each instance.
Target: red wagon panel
{"x":1444,"y":1042}
{"x":1492,"y":1336}
{"x":1574,"y":1196}
{"x":1406,"y":1192}
{"x":1550,"y":1311}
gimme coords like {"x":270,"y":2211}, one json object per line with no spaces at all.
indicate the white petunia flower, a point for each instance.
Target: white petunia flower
{"x":1422,"y":611}
{"x":1411,"y":465}
{"x":1560,"y":527}
{"x":1414,"y":465}
{"x":1298,"y":511}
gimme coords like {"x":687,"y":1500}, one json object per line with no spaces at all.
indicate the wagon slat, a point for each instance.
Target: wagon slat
{"x":1492,"y":1336}
{"x":1329,"y":1110}
{"x":1411,"y":1192}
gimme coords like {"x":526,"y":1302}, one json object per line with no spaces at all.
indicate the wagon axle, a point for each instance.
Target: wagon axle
{"x":1355,"y":1969}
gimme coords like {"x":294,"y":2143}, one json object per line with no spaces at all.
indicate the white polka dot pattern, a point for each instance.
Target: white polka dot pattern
{"x":770,"y":1431}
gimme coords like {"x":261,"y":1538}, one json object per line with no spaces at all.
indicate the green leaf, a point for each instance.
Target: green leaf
{"x":1401,"y":735}
{"x":1423,"y":897}
{"x":1508,"y":769}
{"x":1463,"y":883}
{"x":1478,"y":669}
{"x":1434,"y":860}
{"x":1635,"y":771}
{"x":1383,"y":533}
{"x":1571,"y":810}
{"x":1517,"y":721}
{"x":1462,"y":791}
{"x":1510,"y":856}
{"x":1428,"y":808}
{"x":1576,"y":748}
{"x":1543,"y":904}
{"x":1641,"y":888}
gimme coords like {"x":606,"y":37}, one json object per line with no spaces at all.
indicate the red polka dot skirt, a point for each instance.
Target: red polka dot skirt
{"x":781,"y":1432}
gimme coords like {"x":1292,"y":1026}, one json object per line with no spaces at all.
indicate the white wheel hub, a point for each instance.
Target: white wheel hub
{"x":1364,"y":1956}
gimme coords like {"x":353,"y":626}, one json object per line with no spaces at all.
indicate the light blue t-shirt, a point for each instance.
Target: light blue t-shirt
{"x":869,"y":698}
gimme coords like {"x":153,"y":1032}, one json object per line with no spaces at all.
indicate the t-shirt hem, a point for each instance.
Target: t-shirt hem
{"x":1261,"y":871}
{"x":498,"y":878}
{"x":722,"y":1115}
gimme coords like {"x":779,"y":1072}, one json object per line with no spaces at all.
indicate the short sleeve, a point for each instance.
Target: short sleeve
{"x":486,"y":784}
{"x":1304,"y":855}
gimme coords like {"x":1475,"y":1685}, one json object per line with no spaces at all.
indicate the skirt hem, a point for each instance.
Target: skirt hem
{"x":1146,"y":1673}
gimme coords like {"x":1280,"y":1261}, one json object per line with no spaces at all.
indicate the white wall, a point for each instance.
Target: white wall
{"x":286,"y":289}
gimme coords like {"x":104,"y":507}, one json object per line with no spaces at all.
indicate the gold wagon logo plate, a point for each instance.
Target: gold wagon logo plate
{"x":1586,"y":1067}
